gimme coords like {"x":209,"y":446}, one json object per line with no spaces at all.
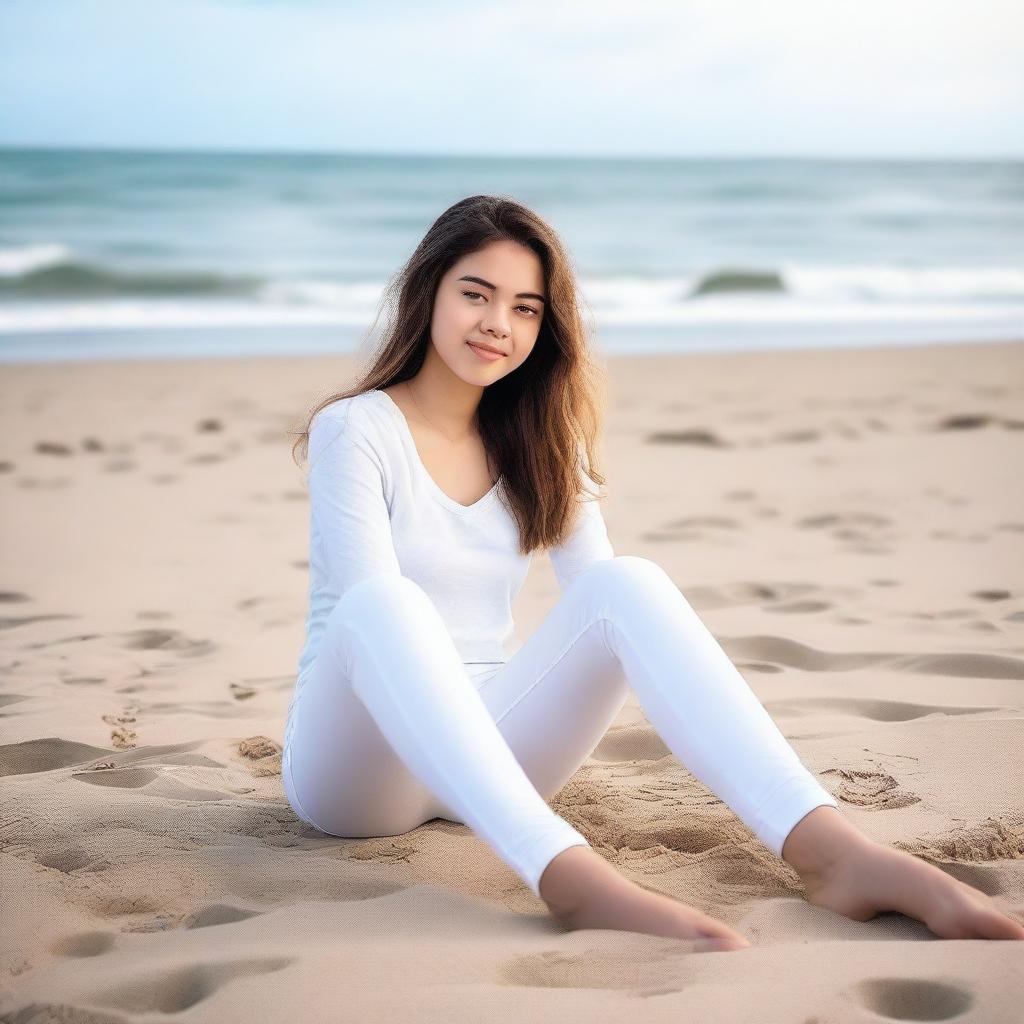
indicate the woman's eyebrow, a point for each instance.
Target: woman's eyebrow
{"x":487,"y":284}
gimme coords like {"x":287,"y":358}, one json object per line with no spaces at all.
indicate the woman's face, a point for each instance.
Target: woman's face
{"x":501,"y":308}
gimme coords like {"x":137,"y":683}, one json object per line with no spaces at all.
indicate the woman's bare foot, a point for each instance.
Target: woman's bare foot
{"x":878,"y":878}
{"x":583,"y":891}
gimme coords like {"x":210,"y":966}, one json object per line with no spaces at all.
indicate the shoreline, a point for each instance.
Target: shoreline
{"x":612,"y":342}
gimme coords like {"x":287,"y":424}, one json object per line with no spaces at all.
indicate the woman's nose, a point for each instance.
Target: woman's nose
{"x":498,"y":326}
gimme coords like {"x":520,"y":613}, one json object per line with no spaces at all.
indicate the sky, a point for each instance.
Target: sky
{"x":832,"y":78}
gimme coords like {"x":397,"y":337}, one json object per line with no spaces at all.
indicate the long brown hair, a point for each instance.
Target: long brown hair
{"x":535,"y":422}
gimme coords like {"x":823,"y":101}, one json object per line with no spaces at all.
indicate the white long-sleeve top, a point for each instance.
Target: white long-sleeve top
{"x":375,"y":508}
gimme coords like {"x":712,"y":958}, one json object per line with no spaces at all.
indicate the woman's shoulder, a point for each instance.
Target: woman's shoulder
{"x":355,"y":418}
{"x":358,"y":411}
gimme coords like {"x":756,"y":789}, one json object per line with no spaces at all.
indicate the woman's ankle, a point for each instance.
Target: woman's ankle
{"x":821,"y":841}
{"x":570,"y":878}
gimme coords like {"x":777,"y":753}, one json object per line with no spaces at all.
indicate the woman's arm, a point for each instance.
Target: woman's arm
{"x":587,"y":543}
{"x":347,"y":502}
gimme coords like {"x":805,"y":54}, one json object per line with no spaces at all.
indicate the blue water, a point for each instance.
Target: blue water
{"x":138,"y":255}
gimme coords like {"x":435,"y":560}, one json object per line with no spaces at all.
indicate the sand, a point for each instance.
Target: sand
{"x":848,"y":523}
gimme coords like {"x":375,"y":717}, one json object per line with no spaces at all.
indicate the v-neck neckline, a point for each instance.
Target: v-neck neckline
{"x":446,"y":499}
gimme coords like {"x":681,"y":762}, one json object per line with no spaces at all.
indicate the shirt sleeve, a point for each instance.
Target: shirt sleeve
{"x":586,"y":544}
{"x":347,"y":503}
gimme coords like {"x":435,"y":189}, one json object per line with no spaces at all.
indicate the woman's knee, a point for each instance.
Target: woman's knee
{"x":373,"y":603}
{"x":630,"y":582}
{"x":383,"y":594}
{"x":359,"y":818}
{"x":630,"y":574}
{"x":377,"y":802}
{"x":383,"y":587}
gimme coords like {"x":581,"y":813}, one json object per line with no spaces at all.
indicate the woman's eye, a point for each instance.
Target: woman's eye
{"x":529,"y":309}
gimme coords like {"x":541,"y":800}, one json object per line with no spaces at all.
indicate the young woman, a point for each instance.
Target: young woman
{"x":467,"y":445}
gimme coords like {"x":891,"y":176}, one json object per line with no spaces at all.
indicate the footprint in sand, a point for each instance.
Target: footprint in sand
{"x":129,"y":904}
{"x":691,"y":528}
{"x":703,"y":438}
{"x":84,"y":944}
{"x":217,"y":914}
{"x":52,"y":448}
{"x":167,"y":640}
{"x":875,"y":791}
{"x":153,"y":615}
{"x":697,"y":521}
{"x":964,"y":421}
{"x":913,"y":999}
{"x":122,"y":732}
{"x":845,"y":520}
{"x":10,"y":622}
{"x":66,"y":859}
{"x":801,"y":607}
{"x":654,"y":973}
{"x":264,"y":753}
{"x":174,"y":989}
{"x":866,"y":541}
{"x":771,"y":597}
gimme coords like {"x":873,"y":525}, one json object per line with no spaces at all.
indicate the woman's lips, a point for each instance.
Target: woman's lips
{"x":484,"y":353}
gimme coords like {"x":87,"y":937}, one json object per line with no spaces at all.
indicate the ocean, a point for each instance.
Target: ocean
{"x":107,"y":254}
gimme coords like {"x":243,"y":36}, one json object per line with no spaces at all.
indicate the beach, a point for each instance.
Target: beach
{"x":849,"y":523}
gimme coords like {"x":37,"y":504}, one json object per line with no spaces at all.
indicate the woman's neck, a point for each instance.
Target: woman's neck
{"x":443,"y":401}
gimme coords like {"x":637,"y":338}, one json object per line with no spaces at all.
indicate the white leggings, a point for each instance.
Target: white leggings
{"x":388,"y":730}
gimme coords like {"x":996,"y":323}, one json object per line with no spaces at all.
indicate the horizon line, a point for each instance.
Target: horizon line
{"x":536,"y":157}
